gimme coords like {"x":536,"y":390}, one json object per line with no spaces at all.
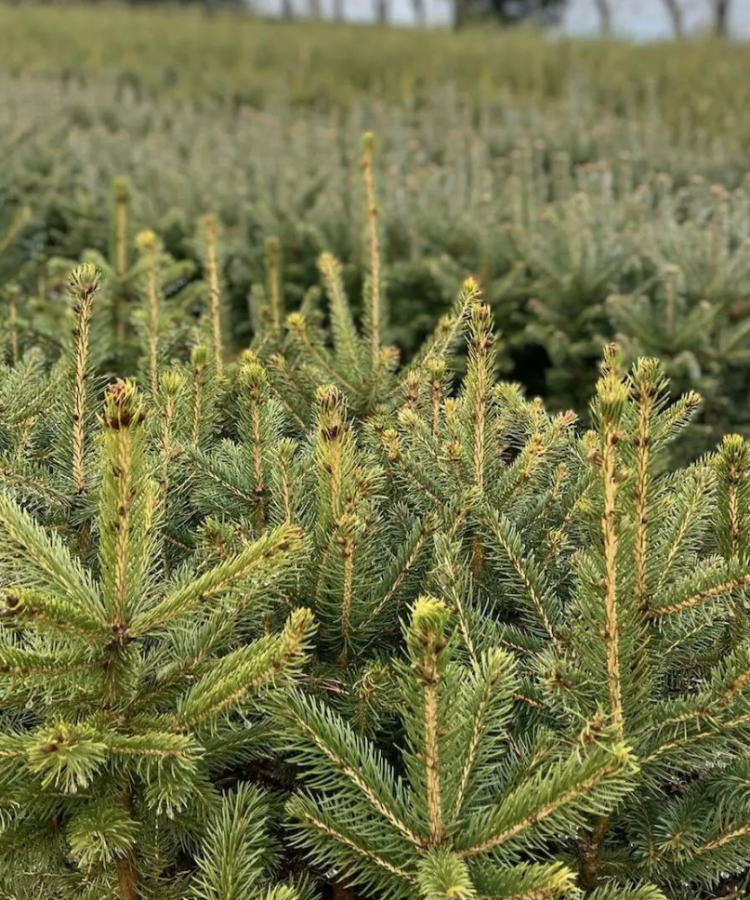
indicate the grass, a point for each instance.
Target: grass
{"x":189,"y":54}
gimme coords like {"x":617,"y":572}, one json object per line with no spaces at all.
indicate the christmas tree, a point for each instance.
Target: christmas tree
{"x":127,"y":692}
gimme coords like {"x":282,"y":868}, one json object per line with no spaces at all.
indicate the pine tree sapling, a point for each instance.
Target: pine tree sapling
{"x":473,"y":799}
{"x":121,"y":688}
{"x":658,"y":638}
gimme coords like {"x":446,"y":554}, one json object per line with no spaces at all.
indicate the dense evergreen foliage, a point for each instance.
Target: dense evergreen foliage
{"x":602,"y":205}
{"x":303,"y":617}
{"x":301,"y":595}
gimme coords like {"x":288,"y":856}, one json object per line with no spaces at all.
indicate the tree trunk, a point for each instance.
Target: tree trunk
{"x":381,"y":12}
{"x":287,"y":9}
{"x":459,"y":14}
{"x":338,"y":10}
{"x":675,"y":14}
{"x":605,"y":17}
{"x":315,"y":9}
{"x":721,"y":18}
{"x":127,"y":866}
{"x":420,"y":12}
{"x":127,"y":876}
{"x":589,"y":847}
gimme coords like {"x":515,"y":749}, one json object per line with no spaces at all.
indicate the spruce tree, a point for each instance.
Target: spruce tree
{"x":471,"y":797}
{"x":657,"y":639}
{"x":127,"y":692}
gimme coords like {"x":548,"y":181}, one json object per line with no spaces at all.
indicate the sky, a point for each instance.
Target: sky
{"x":647,"y":19}
{"x":639,"y":19}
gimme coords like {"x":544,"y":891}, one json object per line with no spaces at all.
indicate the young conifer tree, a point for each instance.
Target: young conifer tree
{"x":49,"y":405}
{"x":379,"y":492}
{"x":657,"y":640}
{"x":357,"y":359}
{"x":125,"y":693}
{"x":469,"y":809}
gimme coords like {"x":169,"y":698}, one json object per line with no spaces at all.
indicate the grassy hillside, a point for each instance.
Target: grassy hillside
{"x":190,"y":54}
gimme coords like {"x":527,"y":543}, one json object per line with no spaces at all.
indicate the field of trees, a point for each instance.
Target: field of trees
{"x":374,"y":462}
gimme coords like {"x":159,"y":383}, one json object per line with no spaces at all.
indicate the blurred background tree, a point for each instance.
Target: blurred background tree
{"x":543,"y":12}
{"x":509,"y":12}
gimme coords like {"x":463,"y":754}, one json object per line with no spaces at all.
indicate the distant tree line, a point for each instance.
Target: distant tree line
{"x":544,"y":13}
{"x":718,"y":10}
{"x":507,"y":12}
{"x":539,"y":12}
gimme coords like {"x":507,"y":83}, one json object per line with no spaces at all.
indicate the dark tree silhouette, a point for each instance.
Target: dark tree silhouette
{"x":510,"y":12}
{"x":544,"y":12}
{"x":676,"y":17}
{"x":720,"y":9}
{"x":605,"y":17}
{"x":382,"y":11}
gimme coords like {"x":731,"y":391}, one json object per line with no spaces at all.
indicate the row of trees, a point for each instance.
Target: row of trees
{"x":719,"y":11}
{"x":509,"y":12}
{"x":544,"y":12}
